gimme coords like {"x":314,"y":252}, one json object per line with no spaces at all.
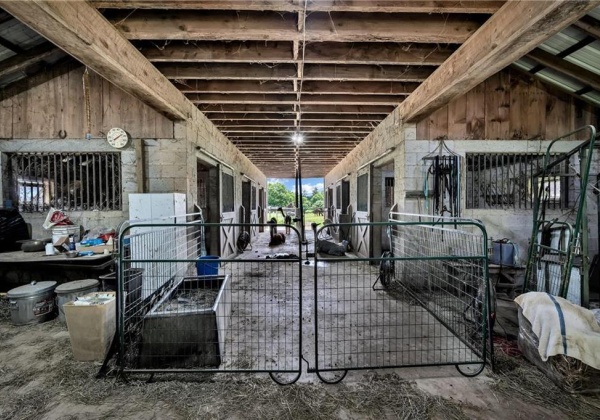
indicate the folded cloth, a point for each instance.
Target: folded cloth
{"x":562,"y":327}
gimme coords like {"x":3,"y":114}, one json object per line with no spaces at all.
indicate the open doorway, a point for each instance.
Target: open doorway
{"x":249,"y":208}
{"x":208,"y":203}
{"x":382,"y":200}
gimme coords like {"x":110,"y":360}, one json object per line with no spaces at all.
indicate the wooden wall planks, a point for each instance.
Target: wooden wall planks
{"x":59,"y":104}
{"x":508,"y":106}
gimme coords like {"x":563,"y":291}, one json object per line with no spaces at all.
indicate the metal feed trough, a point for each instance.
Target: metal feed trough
{"x":187,"y":327}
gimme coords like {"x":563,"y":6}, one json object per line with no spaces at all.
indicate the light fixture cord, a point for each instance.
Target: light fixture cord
{"x":86,"y":97}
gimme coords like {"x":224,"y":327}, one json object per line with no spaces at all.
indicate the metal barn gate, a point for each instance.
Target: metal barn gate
{"x":423,"y":304}
{"x":190,"y":313}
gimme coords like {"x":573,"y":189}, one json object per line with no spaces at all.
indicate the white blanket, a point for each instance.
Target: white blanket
{"x":562,"y":327}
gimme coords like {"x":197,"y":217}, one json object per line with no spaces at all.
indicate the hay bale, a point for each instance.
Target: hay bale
{"x":568,"y":373}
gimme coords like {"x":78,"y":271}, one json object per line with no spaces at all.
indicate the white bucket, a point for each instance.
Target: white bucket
{"x":67,"y":230}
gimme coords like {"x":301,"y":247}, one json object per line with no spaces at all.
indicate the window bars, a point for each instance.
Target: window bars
{"x":66,"y":181}
{"x":508,"y":181}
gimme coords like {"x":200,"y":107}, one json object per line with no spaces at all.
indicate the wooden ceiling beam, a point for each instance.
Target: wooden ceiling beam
{"x":21,"y":61}
{"x":282,"y":52}
{"x":229,"y":71}
{"x":41,"y":76}
{"x":291,"y":99}
{"x":235,"y":86}
{"x":323,"y":72}
{"x":248,"y":124}
{"x":377,"y":53}
{"x":95,"y":42}
{"x":328,"y":137}
{"x":280,"y":145}
{"x":290,"y":130}
{"x":219,"y":25}
{"x":514,"y":30}
{"x":308,"y":87}
{"x":589,"y":25}
{"x":565,"y":67}
{"x":312,"y":109}
{"x":216,"y":117}
{"x":387,"y":6}
{"x":225,"y":52}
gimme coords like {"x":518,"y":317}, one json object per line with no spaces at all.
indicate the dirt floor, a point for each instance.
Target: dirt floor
{"x":40,"y":379}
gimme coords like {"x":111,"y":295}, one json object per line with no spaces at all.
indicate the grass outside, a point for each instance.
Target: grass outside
{"x":309,"y":217}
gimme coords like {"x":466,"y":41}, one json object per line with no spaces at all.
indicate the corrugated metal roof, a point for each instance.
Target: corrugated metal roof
{"x":19,"y":34}
{"x":525,"y":63}
{"x":595,"y":13}
{"x":588,"y":57}
{"x":564,"y":82}
{"x":5,"y":53}
{"x":593,"y":96}
{"x":563,"y":40}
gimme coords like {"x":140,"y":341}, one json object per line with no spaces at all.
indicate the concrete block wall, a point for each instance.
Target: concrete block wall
{"x":200,"y":132}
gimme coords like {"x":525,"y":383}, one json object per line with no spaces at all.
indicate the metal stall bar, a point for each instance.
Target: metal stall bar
{"x":196,"y":313}
{"x":427,"y":303}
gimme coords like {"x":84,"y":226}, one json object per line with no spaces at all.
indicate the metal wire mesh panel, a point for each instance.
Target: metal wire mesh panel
{"x":424,"y":303}
{"x":196,"y":313}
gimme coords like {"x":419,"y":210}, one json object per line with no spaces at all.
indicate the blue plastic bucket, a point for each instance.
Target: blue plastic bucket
{"x":207,"y":268}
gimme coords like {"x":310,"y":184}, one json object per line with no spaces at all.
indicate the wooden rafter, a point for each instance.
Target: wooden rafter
{"x":96,"y":43}
{"x":23,"y":60}
{"x":39,"y":77}
{"x":328,"y":72}
{"x":589,"y":25}
{"x":291,"y":99}
{"x":313,"y":109}
{"x":386,"y":6}
{"x":272,"y":26}
{"x":283,"y":52}
{"x":491,"y":49}
{"x":565,"y":67}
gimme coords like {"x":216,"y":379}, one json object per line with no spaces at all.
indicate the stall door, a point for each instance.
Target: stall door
{"x":253,"y":211}
{"x":361,"y":235}
{"x":261,"y":209}
{"x":228,"y":231}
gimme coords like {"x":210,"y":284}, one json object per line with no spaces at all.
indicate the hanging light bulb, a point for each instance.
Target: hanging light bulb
{"x":298,"y":138}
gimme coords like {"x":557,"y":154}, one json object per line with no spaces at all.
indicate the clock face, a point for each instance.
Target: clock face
{"x":117,"y":137}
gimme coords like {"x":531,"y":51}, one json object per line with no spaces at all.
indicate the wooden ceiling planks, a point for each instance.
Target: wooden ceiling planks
{"x":263,"y":69}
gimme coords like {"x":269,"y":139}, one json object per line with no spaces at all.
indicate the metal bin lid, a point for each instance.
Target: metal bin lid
{"x":32,"y":289}
{"x":77,"y":285}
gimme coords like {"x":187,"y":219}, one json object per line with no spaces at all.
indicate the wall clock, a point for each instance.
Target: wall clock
{"x":117,"y":137}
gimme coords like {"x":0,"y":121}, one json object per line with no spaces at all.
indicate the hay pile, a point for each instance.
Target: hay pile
{"x":517,"y":378}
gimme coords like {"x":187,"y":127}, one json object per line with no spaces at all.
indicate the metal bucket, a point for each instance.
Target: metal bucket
{"x":32,"y":303}
{"x":68,"y":292}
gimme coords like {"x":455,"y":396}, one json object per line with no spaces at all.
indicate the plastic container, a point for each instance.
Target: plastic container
{"x":32,"y":303}
{"x":92,"y":327}
{"x":503,"y":253}
{"x":68,"y":292}
{"x":207,"y":268}
{"x":67,"y":230}
{"x":133,"y":283}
